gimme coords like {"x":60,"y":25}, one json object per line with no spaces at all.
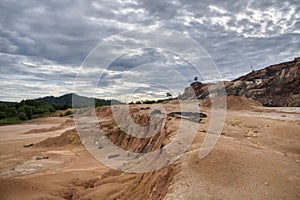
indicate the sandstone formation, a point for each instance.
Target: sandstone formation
{"x":276,"y":85}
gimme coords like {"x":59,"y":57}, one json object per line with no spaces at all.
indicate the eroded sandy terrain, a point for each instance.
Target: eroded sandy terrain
{"x":256,"y":157}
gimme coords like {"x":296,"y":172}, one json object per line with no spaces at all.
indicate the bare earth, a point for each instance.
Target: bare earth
{"x":256,"y":157}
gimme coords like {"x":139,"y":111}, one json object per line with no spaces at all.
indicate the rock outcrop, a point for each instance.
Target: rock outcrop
{"x":154,"y":184}
{"x":276,"y":85}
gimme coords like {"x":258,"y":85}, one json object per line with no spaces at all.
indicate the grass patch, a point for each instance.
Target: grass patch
{"x":10,"y":120}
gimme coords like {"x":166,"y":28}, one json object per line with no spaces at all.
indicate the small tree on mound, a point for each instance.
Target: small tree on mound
{"x":169,"y":95}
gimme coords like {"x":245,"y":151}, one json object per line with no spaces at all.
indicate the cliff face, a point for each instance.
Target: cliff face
{"x":276,"y":85}
{"x":154,"y":185}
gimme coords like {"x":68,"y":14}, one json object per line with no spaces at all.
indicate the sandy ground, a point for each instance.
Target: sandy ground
{"x":256,"y":157}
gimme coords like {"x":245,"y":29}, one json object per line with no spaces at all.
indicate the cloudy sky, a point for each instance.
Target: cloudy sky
{"x":44,"y":43}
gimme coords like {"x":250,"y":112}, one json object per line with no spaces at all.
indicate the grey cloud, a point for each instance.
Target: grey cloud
{"x":55,"y":36}
{"x":162,"y":9}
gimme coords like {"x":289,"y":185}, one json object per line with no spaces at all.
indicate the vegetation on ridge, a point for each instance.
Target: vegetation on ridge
{"x":13,"y":112}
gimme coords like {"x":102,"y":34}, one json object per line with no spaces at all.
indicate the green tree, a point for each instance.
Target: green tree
{"x":3,"y":109}
{"x":2,"y":115}
{"x":196,"y":78}
{"x":11,"y":112}
{"x":27,"y":110}
{"x":98,"y":103}
{"x":169,"y":95}
{"x":22,"y":116}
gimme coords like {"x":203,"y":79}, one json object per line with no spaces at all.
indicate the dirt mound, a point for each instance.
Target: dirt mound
{"x":42,"y":130}
{"x":233,"y":102}
{"x":68,"y":137}
{"x":154,"y":185}
{"x":115,"y":184}
{"x":104,"y":110}
{"x":67,"y":123}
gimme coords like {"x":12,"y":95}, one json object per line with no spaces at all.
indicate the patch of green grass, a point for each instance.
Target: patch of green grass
{"x":10,"y":120}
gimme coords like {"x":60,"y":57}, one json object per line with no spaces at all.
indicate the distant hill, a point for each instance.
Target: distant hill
{"x":16,"y":112}
{"x":8,"y":103}
{"x":276,"y":85}
{"x":79,"y":101}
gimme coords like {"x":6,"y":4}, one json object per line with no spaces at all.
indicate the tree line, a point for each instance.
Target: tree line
{"x":27,"y":109}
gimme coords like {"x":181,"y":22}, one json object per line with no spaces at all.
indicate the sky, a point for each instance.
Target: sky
{"x":44,"y":45}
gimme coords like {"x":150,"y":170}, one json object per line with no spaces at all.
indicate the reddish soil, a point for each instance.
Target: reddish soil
{"x":257,"y":157}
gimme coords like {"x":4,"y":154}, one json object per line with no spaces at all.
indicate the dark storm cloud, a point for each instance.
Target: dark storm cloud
{"x":43,"y":43}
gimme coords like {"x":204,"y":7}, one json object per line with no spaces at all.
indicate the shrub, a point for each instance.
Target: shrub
{"x":3,"y":107}
{"x":22,"y":116}
{"x":2,"y":115}
{"x":68,"y":112}
{"x":11,"y":112}
{"x":27,"y":110}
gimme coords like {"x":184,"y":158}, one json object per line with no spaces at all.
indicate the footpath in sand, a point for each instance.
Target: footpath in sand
{"x":256,"y":157}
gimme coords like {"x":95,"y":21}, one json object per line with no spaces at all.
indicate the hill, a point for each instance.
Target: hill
{"x":276,"y":85}
{"x":80,"y":101}
{"x":8,"y":103}
{"x":14,"y":112}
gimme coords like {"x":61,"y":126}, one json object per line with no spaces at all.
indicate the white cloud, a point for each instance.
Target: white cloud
{"x":217,"y":9}
{"x":42,"y":43}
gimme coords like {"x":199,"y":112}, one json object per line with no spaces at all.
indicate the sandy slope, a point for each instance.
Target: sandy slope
{"x":256,"y":157}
